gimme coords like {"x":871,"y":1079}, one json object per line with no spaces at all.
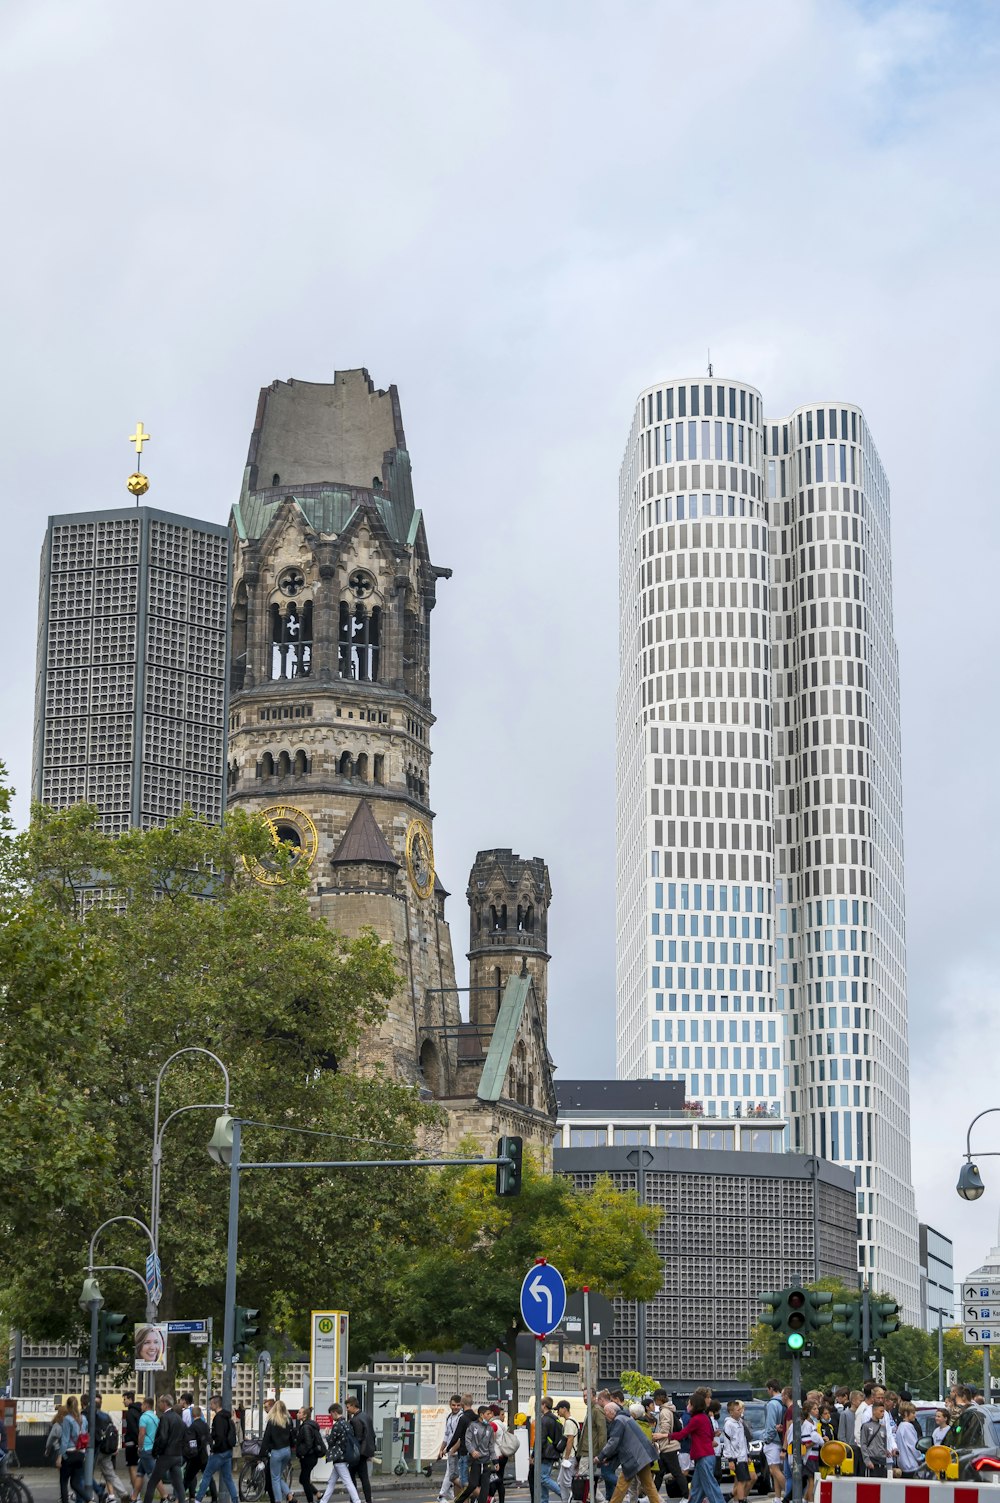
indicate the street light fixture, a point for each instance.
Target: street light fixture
{"x":970,"y":1183}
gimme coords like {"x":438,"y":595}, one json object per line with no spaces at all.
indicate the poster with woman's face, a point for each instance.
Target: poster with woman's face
{"x":150,"y":1349}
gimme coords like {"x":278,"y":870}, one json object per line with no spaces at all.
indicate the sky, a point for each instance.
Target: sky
{"x":522,"y":214}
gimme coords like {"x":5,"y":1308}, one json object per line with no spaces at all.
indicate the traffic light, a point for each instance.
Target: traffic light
{"x":884,"y":1319}
{"x":797,"y":1320}
{"x":245,"y":1328}
{"x":847,"y":1321}
{"x":777,"y":1314}
{"x":509,"y":1174}
{"x":816,"y":1315}
{"x":110,"y":1335}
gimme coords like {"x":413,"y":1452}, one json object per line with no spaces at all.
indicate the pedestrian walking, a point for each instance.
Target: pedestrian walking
{"x":568,"y":1440}
{"x":702,"y":1438}
{"x":447,"y":1491}
{"x":196,"y":1444}
{"x":222,"y":1441}
{"x":735,"y":1450}
{"x":479,"y":1440}
{"x":131,"y":1414}
{"x":70,"y":1459}
{"x":668,"y":1449}
{"x":364,"y":1434}
{"x":106,"y":1441}
{"x":633,"y":1451}
{"x":276,"y":1448}
{"x":308,"y":1448}
{"x":551,"y":1450}
{"x":505,"y":1445}
{"x":458,"y":1447}
{"x":168,"y":1450}
{"x":598,"y":1424}
{"x":342,"y":1449}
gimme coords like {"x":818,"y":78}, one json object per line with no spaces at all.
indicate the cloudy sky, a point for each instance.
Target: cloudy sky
{"x":522,"y":213}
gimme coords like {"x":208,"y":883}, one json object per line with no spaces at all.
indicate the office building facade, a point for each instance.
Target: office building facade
{"x":130,"y":695}
{"x":937,"y":1278}
{"x":761,"y":940}
{"x":738,"y":1213}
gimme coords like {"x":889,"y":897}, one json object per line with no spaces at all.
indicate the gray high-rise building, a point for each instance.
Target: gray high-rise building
{"x":130,"y":694}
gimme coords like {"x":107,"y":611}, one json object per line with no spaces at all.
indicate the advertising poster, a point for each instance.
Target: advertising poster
{"x":150,"y":1348}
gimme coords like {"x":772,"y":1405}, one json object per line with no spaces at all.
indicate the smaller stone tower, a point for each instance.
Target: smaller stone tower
{"x":509,"y":899}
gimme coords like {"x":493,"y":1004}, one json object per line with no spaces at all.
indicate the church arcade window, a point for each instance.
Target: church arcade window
{"x":359,"y":641}
{"x":291,"y":639}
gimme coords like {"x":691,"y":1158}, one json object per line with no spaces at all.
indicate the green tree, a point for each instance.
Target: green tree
{"x":179,"y":946}
{"x":465,"y":1285}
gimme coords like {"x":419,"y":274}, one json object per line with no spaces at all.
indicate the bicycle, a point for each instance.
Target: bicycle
{"x":250,"y":1483}
{"x":13,"y":1489}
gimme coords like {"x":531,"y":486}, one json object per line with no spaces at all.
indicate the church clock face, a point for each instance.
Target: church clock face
{"x":292,"y":828}
{"x":420,"y":858}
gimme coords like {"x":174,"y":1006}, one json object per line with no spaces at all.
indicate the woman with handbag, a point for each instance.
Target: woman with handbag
{"x":71,"y":1455}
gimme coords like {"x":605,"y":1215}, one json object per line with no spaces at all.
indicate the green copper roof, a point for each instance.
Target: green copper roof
{"x":326,"y":511}
{"x":509,"y":1017}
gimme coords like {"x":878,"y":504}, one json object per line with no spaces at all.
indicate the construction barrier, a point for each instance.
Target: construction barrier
{"x":890,"y":1490}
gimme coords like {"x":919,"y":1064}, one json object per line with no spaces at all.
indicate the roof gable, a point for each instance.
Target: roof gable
{"x":363,"y":841}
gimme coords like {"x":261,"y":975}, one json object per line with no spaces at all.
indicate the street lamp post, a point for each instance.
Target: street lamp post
{"x":152,"y":1306}
{"x":225,"y":1148}
{"x":91,"y":1299}
{"x":970,"y":1187}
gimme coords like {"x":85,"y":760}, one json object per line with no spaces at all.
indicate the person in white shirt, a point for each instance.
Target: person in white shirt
{"x":907,"y":1435}
{"x":942,"y":1427}
{"x":735,"y":1449}
{"x":450,"y":1462}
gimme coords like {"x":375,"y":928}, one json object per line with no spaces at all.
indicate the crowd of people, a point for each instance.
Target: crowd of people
{"x":640,"y":1447}
{"x":637,"y":1447}
{"x":169,"y":1440}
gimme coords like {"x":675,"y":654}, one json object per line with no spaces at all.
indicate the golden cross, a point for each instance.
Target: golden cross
{"x":139,"y":437}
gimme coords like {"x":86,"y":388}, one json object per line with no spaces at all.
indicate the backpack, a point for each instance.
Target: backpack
{"x":308,"y":1443}
{"x":352,"y":1451}
{"x":107,"y":1437}
{"x":507,"y":1441}
{"x":192,"y":1443}
{"x":230,"y":1433}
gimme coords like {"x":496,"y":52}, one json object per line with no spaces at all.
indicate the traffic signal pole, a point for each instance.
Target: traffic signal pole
{"x":796,"y":1428}
{"x":88,"y":1461}
{"x":229,"y":1324}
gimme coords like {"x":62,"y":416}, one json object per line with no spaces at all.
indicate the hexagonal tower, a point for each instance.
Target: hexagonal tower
{"x":330,"y":711}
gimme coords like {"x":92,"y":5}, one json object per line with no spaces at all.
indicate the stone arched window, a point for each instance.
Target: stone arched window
{"x":301,"y":763}
{"x":346,"y":766}
{"x":238,"y":657}
{"x":265,"y":767}
{"x":284,"y":767}
{"x":430,"y":1067}
{"x":291,"y":639}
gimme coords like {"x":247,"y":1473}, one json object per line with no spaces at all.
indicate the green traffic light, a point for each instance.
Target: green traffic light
{"x":796,"y":1341}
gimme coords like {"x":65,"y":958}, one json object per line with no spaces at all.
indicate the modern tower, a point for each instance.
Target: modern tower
{"x":761,"y":943}
{"x":130,"y":697}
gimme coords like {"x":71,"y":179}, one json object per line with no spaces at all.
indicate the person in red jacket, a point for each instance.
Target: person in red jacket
{"x":701,"y":1433}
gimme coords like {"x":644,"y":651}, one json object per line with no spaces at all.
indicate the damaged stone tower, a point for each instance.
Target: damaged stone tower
{"x":329,"y":738}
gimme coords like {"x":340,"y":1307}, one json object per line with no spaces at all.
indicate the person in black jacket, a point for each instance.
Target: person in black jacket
{"x":130,"y":1438}
{"x":168,"y":1450}
{"x":197,"y":1441}
{"x":276,"y":1448}
{"x":309,"y":1448}
{"x":221,"y":1459}
{"x":364,"y":1432}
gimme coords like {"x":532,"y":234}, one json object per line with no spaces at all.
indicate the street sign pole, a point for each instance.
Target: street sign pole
{"x":539,"y":1343}
{"x":590,"y":1394}
{"x":208,"y":1363}
{"x":941,"y":1355}
{"x":987,"y":1391}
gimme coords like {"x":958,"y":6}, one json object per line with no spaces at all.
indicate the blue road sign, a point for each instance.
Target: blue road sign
{"x":154,"y":1286}
{"x":185,"y":1327}
{"x":543,"y":1298}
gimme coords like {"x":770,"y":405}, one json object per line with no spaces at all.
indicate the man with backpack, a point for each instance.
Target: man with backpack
{"x":342,"y":1449}
{"x":223,"y":1439}
{"x":168,"y":1450}
{"x":364,"y":1434}
{"x":552,"y":1448}
{"x":568,"y":1441}
{"x":197,"y":1438}
{"x":105,"y":1450}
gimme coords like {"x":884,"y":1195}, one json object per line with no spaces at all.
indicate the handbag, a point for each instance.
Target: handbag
{"x":581,"y":1489}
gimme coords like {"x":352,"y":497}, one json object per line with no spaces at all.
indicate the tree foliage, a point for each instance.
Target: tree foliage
{"x":464,"y":1286}
{"x":176,"y":946}
{"x":911,"y":1355}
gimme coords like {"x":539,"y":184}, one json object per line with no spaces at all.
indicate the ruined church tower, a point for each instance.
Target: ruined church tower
{"x":329,"y":735}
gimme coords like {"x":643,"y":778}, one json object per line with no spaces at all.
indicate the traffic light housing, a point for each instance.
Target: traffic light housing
{"x":509,"y":1174}
{"x":111,"y":1334}
{"x":817,"y":1316}
{"x":796,"y":1320}
{"x":245,"y":1327}
{"x":847,"y":1322}
{"x":884,"y":1319}
{"x":777,"y":1313}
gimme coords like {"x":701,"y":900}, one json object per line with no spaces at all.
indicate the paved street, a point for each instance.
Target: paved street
{"x":44,"y":1485}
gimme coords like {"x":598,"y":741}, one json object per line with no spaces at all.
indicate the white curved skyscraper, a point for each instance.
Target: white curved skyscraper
{"x":761,"y":935}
